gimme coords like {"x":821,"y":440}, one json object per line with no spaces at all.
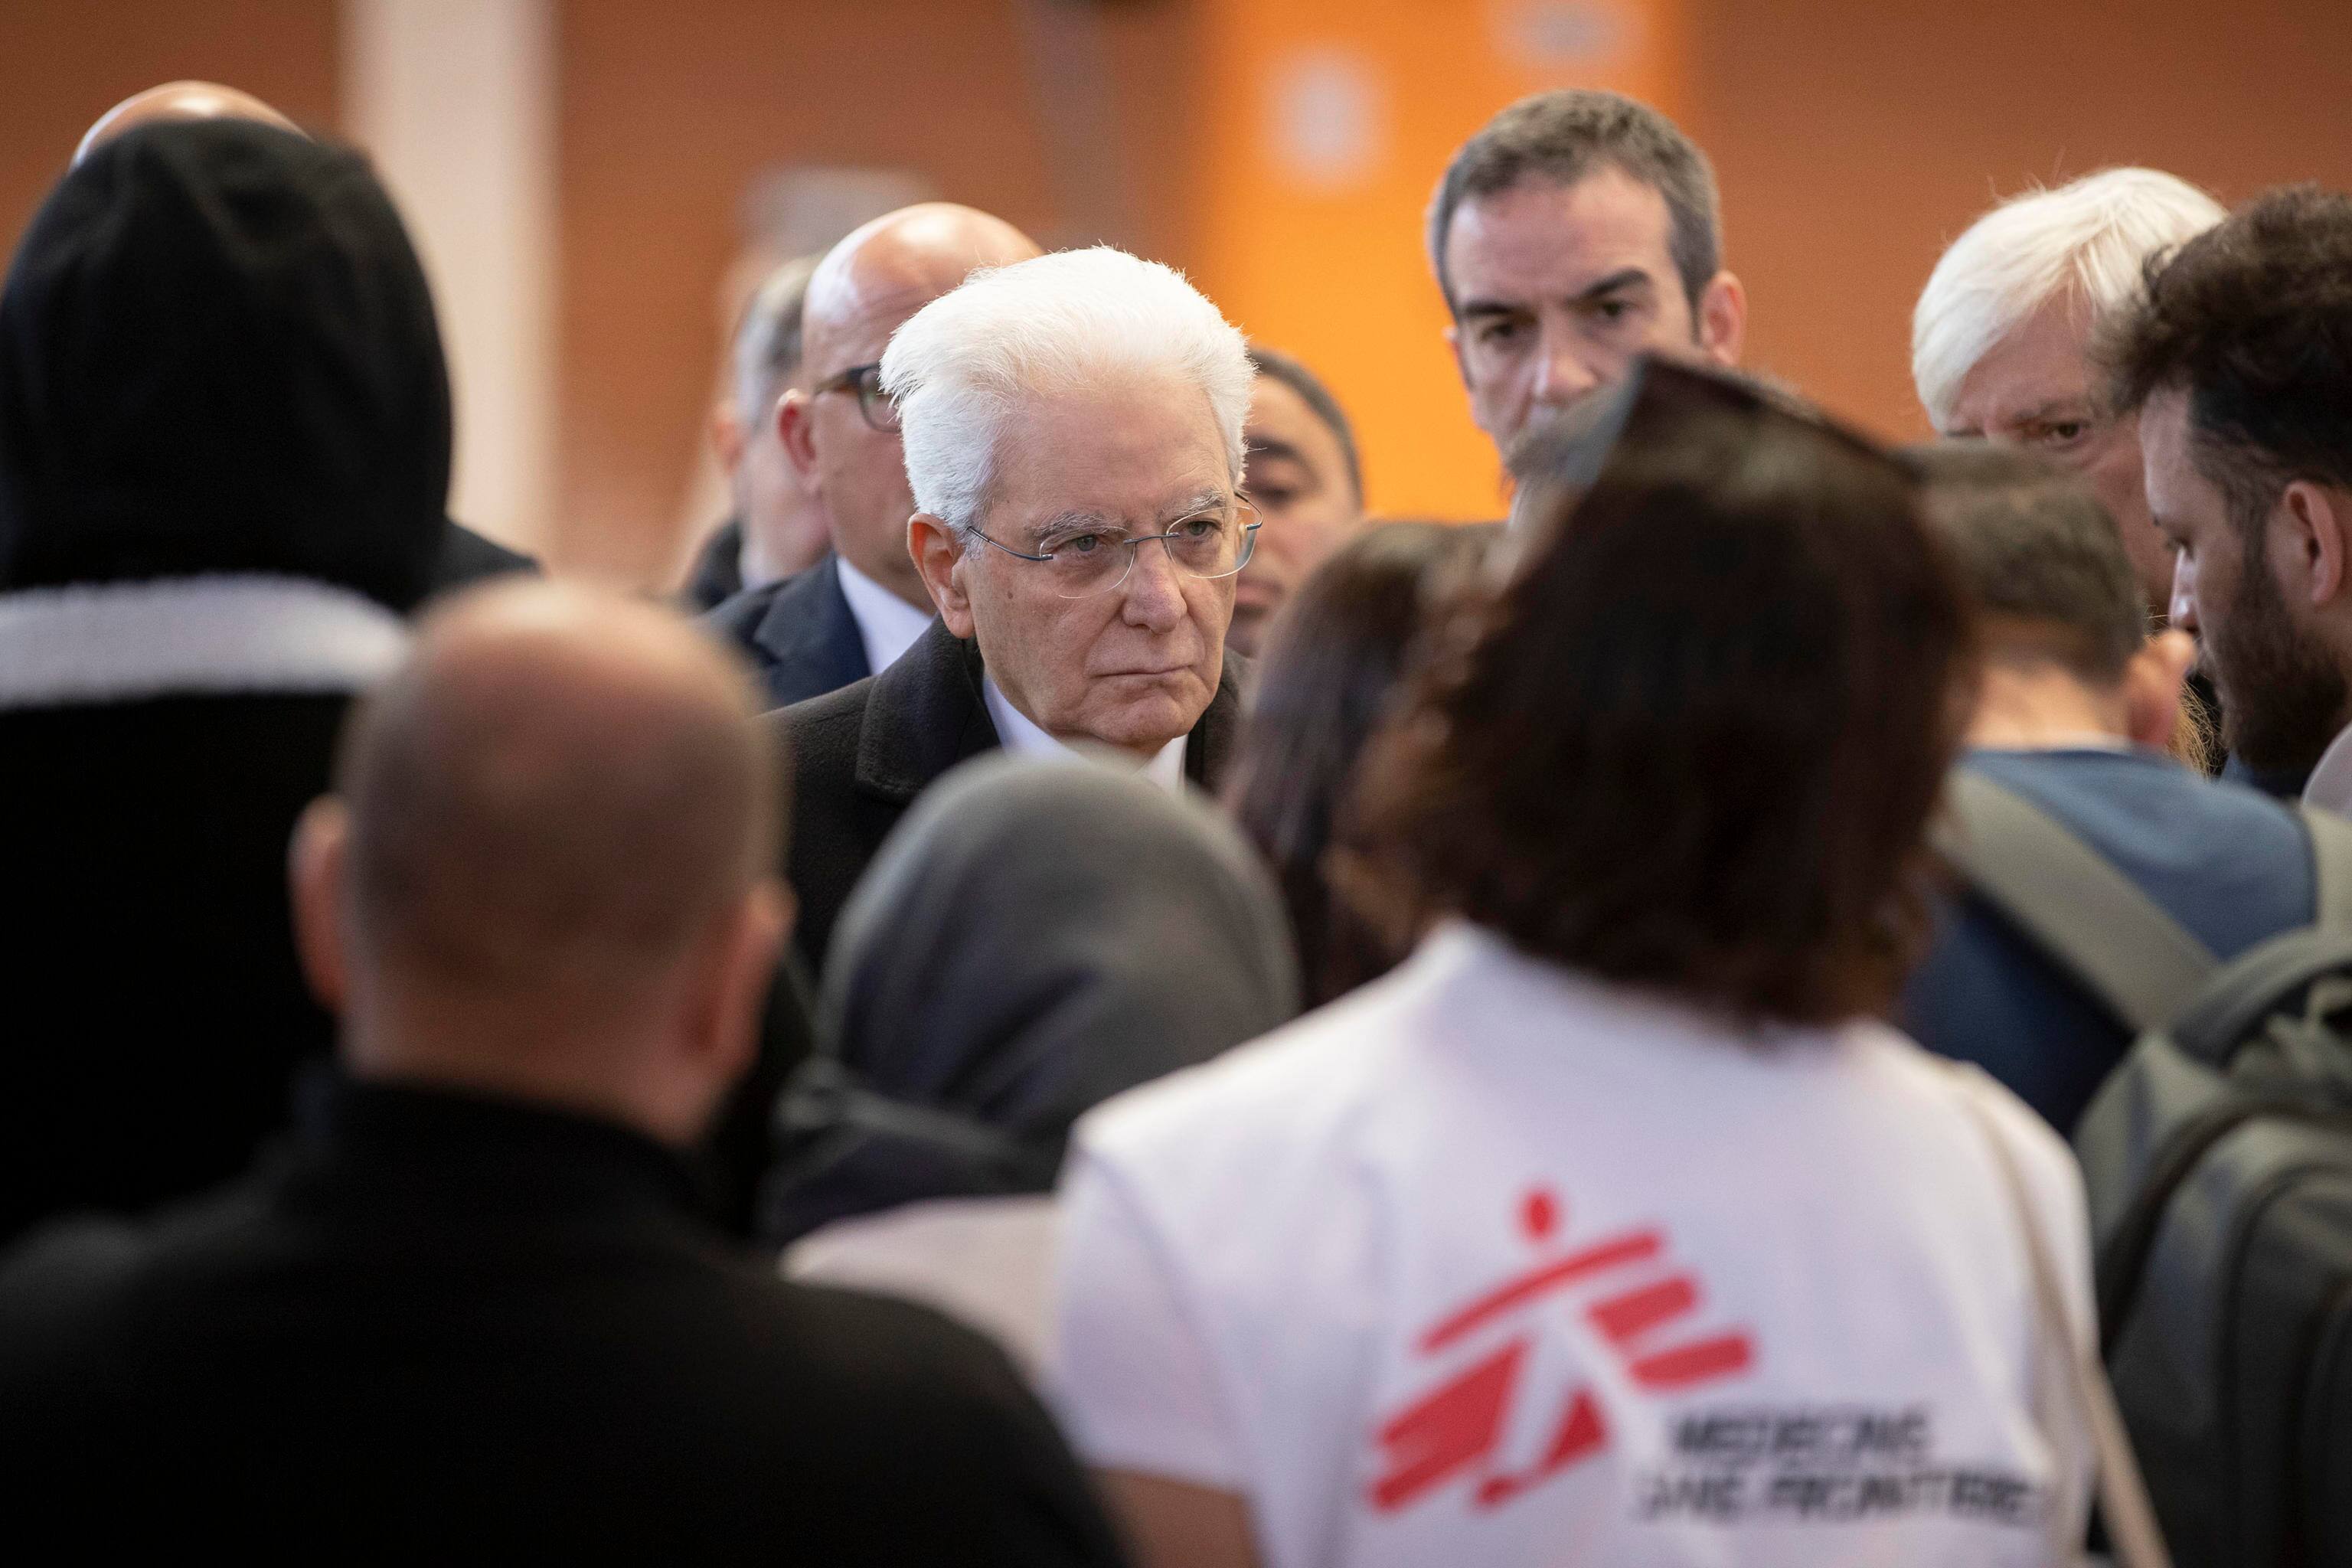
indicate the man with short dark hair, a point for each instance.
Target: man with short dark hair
{"x":777,"y":528}
{"x":2077,"y":704}
{"x":1300,"y":470}
{"x":2239,"y":362}
{"x":471,"y":1312}
{"x":1575,"y":231}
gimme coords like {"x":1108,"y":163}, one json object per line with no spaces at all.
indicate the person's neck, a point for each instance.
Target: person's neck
{"x":495,"y":1052}
{"x":911,"y":593}
{"x":2042,"y":709}
{"x":754,"y":562}
{"x":1132,"y":757}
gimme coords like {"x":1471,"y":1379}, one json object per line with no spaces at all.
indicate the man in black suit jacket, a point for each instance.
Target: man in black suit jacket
{"x":472,"y":1312}
{"x":799,"y":634}
{"x":864,"y":604}
{"x":1073,"y":436}
{"x":862,"y":754}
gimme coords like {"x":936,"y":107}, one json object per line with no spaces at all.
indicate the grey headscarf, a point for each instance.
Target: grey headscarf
{"x":1034,"y":938}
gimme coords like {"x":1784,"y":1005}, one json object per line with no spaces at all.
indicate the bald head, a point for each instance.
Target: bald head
{"x":180,"y":101}
{"x":558,"y":791}
{"x":883,"y":272}
{"x":865,"y":289}
{"x":545,"y":873}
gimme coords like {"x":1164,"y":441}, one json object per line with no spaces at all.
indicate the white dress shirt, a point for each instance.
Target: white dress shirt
{"x":1023,"y":736}
{"x":886,"y":624}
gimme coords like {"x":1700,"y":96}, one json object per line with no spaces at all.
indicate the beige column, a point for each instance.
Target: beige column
{"x":455,"y":100}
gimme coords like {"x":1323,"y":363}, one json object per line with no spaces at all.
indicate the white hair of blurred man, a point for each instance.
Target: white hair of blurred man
{"x":2000,"y":339}
{"x":959,"y":368}
{"x":784,"y":530}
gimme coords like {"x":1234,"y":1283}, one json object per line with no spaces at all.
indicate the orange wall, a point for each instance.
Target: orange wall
{"x":1856,"y":137}
{"x":666,"y":111}
{"x":64,"y":62}
{"x":1323,"y":256}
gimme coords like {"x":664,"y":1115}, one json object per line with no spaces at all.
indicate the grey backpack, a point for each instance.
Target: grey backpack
{"x":2218,"y":1157}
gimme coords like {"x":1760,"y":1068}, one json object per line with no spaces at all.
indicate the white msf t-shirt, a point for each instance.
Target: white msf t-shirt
{"x":1492,"y":1264}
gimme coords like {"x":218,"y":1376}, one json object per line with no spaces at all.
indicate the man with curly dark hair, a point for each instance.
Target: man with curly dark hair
{"x":2239,"y":361}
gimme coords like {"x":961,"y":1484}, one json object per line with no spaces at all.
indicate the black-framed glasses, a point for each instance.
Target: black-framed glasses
{"x":1085,"y":561}
{"x":864,"y":381}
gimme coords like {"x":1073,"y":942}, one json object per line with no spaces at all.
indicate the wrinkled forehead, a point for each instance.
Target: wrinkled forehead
{"x":1137,"y":450}
{"x":1281,"y":426}
{"x":2041,"y":368}
{"x":1543,"y":238}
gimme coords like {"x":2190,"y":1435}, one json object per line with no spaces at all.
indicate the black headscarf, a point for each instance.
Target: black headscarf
{"x":218,"y":354}
{"x":1034,"y":938}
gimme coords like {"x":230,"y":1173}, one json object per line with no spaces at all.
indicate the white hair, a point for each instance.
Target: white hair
{"x":2092,"y":237}
{"x":962,"y":366}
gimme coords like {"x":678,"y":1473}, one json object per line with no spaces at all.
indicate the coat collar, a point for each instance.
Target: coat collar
{"x":927,"y":713}
{"x":807,"y":632}
{"x":202,"y":636}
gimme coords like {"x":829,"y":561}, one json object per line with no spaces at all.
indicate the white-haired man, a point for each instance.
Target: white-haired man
{"x":1073,"y":435}
{"x":2001,"y":341}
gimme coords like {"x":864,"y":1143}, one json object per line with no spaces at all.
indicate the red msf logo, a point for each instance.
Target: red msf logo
{"x":1453,"y":1430}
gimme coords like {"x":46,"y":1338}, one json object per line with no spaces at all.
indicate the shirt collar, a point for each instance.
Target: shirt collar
{"x":886,"y":624}
{"x":1023,"y":736}
{"x":2330,"y":784}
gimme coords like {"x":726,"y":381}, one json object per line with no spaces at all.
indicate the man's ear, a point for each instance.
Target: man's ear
{"x":316,"y":862}
{"x":939,"y":556}
{"x":1453,"y":347}
{"x":2318,"y":518}
{"x":1722,"y":324}
{"x":795,"y":430}
{"x":2152,"y":683}
{"x":723,"y":1029}
{"x":725,"y":436}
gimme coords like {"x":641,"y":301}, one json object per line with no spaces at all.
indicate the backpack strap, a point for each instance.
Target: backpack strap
{"x":2331,"y":860}
{"x":2114,"y":940}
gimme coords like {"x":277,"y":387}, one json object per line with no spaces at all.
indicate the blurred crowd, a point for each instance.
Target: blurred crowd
{"x":1071,"y":997}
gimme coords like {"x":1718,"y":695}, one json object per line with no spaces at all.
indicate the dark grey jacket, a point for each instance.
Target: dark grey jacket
{"x":859,"y":756}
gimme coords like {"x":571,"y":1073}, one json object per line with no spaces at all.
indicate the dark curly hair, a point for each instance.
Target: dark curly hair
{"x":2252,"y":319}
{"x":1693,"y":740}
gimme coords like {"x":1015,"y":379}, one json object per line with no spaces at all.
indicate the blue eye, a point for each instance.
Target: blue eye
{"x":1079,"y":544}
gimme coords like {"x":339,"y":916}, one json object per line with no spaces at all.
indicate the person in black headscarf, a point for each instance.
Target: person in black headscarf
{"x":1036,"y":938}
{"x":464,"y":556}
{"x":225,"y":448}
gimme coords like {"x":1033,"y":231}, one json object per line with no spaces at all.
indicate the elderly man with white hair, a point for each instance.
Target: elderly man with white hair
{"x":1073,"y":434}
{"x":2000,"y":342}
